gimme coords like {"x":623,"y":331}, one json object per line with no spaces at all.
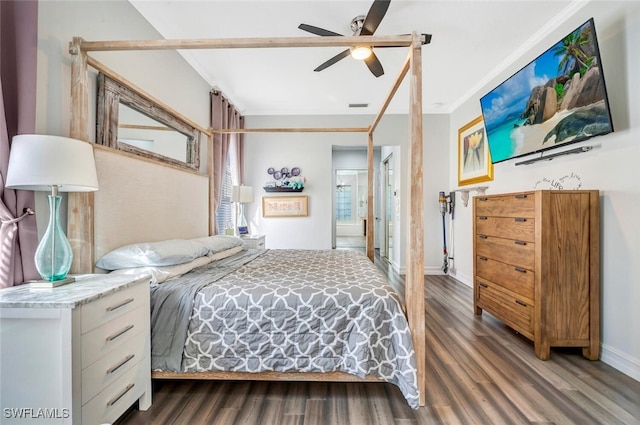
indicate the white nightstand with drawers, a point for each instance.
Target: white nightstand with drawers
{"x":75,"y":354}
{"x":254,"y":241}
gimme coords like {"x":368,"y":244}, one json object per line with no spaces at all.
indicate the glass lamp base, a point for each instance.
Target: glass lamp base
{"x":51,"y":283}
{"x":54,"y":256}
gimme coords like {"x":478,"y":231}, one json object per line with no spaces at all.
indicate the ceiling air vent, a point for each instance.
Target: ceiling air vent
{"x":358,"y":105}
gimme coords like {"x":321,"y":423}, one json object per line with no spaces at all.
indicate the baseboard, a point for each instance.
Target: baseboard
{"x":466,"y":280}
{"x":396,"y":268}
{"x":433,"y":270}
{"x":620,"y":361}
{"x":463,"y":278}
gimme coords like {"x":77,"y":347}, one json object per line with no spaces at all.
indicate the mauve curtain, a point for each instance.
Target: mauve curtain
{"x":223,"y":116}
{"x":18,"y":56}
{"x":240,"y":148}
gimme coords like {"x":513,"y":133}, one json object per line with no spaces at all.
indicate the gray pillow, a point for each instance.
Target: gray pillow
{"x":218,"y":243}
{"x":164,"y":253}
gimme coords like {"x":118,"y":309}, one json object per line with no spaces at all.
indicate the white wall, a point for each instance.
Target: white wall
{"x":312,"y":152}
{"x":163,"y":74}
{"x":610,"y":167}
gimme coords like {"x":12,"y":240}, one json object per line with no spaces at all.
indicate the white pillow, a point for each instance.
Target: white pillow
{"x":160,"y":274}
{"x":227,"y":253}
{"x":219,"y":243}
{"x":164,"y":253}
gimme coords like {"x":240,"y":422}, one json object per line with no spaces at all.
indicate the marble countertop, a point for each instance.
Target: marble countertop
{"x":85,"y":289}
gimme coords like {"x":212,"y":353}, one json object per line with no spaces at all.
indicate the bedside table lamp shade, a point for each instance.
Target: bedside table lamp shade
{"x":57,"y":164}
{"x":242,"y":195}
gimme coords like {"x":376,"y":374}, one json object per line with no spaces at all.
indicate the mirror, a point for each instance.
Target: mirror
{"x":131,"y":121}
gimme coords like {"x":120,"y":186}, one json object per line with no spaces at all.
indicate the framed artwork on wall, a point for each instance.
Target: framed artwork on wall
{"x":284,"y":206}
{"x":474,"y":160}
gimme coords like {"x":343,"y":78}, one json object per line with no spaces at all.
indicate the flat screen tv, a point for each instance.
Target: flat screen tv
{"x":557,"y":99}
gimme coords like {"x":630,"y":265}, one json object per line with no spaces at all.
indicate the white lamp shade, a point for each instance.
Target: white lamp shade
{"x":38,"y":162}
{"x":242,"y":194}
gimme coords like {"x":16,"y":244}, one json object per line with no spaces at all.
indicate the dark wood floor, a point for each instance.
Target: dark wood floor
{"x":478,"y":371}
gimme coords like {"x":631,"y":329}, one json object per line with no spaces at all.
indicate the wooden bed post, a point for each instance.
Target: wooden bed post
{"x":212,"y":217}
{"x":370,"y":239}
{"x":80,"y":204}
{"x":415,"y":226}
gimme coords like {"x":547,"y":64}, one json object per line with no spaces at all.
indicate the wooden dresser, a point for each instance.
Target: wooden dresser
{"x":536,"y":266}
{"x":75,"y":354}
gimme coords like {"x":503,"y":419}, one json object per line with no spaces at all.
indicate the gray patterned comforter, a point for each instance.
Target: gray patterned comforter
{"x":299,"y":311}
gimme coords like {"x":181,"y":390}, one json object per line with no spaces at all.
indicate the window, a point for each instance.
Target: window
{"x":224,"y":215}
{"x":343,"y":203}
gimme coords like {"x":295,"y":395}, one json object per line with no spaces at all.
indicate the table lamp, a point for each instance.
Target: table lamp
{"x":242,"y":195}
{"x":59,"y":164}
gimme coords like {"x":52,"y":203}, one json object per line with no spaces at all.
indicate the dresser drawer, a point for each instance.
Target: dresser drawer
{"x":115,"y":399}
{"x":513,"y":310}
{"x":516,"y":279}
{"x":509,"y":251}
{"x":520,"y":228}
{"x":107,"y":308}
{"x":516,"y":205}
{"x":113,"y":334}
{"x":112,"y":366}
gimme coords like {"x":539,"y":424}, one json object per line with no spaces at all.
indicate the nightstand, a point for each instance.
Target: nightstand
{"x":254,"y":241}
{"x":79,"y":352}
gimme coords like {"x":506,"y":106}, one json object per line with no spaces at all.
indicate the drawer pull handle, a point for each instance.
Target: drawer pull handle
{"x":119,"y":396}
{"x":521,"y":220}
{"x":483,"y":258}
{"x":122,"y":304}
{"x":521,"y":196}
{"x":484,"y":285}
{"x":521,"y":303}
{"x":520,"y":269}
{"x":482,"y":236}
{"x":520,"y":243}
{"x":119,"y":365}
{"x":117,"y":334}
{"x":482,"y":217}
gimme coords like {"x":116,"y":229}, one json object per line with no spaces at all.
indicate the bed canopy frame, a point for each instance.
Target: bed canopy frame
{"x":80,"y":226}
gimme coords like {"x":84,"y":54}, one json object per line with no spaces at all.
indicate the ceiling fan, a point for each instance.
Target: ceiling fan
{"x":360,"y":25}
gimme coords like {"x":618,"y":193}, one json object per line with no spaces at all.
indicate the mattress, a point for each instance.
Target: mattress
{"x":285,"y":311}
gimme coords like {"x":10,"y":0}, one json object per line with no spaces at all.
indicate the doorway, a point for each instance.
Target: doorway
{"x":350,"y":208}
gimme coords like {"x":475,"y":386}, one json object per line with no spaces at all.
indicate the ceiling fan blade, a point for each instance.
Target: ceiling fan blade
{"x":374,"y":65}
{"x":374,"y":16}
{"x":333,"y":60}
{"x":317,"y":31}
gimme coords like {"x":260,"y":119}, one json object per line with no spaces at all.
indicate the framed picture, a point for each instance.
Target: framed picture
{"x":284,"y":206}
{"x":474,"y":160}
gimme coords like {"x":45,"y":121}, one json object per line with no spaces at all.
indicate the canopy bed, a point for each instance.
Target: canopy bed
{"x":97,"y":223}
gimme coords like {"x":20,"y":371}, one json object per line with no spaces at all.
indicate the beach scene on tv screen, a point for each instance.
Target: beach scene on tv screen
{"x":558,"y":98}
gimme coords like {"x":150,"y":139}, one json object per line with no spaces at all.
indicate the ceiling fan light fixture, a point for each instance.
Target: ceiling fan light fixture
{"x":360,"y":52}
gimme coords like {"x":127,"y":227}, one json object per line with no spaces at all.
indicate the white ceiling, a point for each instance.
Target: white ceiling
{"x":472,"y":41}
